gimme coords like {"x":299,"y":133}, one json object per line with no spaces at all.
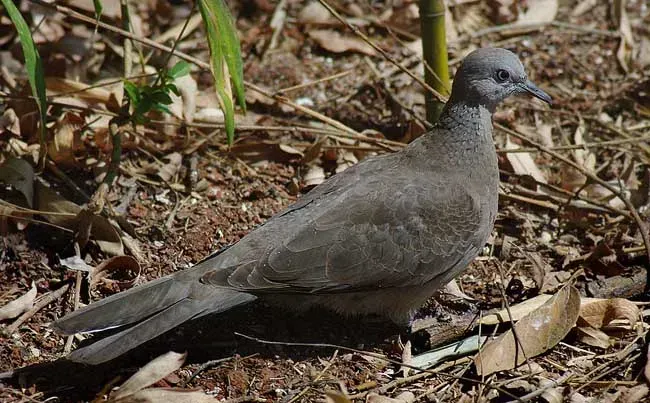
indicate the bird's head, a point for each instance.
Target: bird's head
{"x":487,"y":76}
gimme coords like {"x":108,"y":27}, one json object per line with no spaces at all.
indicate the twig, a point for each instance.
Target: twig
{"x":204,"y":366}
{"x":408,"y":380}
{"x":320,"y":374}
{"x":628,"y":204}
{"x":515,"y":26}
{"x":77,"y":292}
{"x":554,"y":383}
{"x":314,"y":82}
{"x":386,"y":56}
{"x":40,"y":303}
{"x":627,"y":140}
{"x":371,"y":354}
{"x":148,"y":42}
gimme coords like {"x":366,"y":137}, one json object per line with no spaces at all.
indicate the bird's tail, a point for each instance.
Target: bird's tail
{"x":150,"y":310}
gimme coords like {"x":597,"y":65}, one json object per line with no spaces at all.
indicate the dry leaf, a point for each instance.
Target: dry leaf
{"x":9,"y":122}
{"x":67,"y":140}
{"x":96,"y":95}
{"x":151,"y":373}
{"x":626,"y":46}
{"x":125,"y":264}
{"x":539,"y":12}
{"x":517,"y":311}
{"x":405,"y":397}
{"x":333,"y":396}
{"x":639,"y":393}
{"x":583,"y":156}
{"x":315,"y":13}
{"x":313,"y":151}
{"x":75,"y":262}
{"x":523,"y":163}
{"x":17,"y":177}
{"x":337,"y":43}
{"x":71,"y":216}
{"x":593,"y":337}
{"x":602,"y":312}
{"x":583,"y":7}
{"x":314,"y":176}
{"x":537,"y":332}
{"x":21,"y":304}
{"x":174,"y":161}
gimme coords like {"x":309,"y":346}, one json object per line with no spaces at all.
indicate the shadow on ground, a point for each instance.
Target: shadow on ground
{"x":212,"y":338}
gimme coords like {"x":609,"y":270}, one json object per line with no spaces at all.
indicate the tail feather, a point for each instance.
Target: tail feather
{"x":150,"y":309}
{"x":124,"y":308}
{"x":115,"y":345}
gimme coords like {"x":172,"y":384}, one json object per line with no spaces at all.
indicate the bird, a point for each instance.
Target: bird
{"x":377,"y":238}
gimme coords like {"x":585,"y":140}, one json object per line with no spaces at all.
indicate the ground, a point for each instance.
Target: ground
{"x":183,"y":193}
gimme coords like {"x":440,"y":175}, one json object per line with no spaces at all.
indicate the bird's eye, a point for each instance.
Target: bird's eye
{"x":502,"y":75}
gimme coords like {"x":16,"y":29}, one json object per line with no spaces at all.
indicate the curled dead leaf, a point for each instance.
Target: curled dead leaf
{"x":593,"y":337}
{"x":600,"y":313}
{"x":126,"y":265}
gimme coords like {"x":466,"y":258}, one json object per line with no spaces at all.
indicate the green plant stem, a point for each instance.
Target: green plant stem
{"x":434,"y":46}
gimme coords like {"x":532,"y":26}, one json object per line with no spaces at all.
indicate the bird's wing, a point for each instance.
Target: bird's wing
{"x":366,"y":230}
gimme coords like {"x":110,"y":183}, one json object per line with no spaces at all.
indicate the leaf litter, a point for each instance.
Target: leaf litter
{"x":553,"y":221}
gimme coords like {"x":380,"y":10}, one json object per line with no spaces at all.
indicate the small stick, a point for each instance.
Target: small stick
{"x":386,"y":56}
{"x":635,"y":214}
{"x":77,"y":293}
{"x":318,"y":81}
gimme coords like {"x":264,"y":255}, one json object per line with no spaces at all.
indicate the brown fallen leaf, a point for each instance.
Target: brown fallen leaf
{"x":523,"y":163}
{"x":21,"y":304}
{"x":537,"y":332}
{"x":600,"y":313}
{"x":127,"y":265}
{"x":67,"y":140}
{"x":593,"y":337}
{"x":65,"y":213}
{"x":638,"y":393}
{"x":337,"y":43}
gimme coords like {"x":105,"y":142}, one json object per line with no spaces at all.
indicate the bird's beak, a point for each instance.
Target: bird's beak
{"x":532,"y":89}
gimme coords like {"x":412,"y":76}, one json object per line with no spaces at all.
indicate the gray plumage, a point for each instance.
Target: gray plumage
{"x":379,"y":237}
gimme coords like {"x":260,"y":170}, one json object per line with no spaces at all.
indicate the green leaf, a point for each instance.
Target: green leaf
{"x":99,"y":9}
{"x":172,"y":88}
{"x":231,"y":50}
{"x":132,"y":92}
{"x":224,"y":49}
{"x":160,"y":97}
{"x":34,"y":67}
{"x":180,"y":69}
{"x":162,"y":108}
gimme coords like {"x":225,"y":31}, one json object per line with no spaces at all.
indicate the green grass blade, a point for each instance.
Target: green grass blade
{"x":221,"y":51}
{"x":99,"y":9}
{"x":33,"y":66}
{"x":231,"y":49}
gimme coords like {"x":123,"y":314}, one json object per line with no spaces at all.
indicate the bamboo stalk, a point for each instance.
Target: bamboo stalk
{"x":434,"y":46}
